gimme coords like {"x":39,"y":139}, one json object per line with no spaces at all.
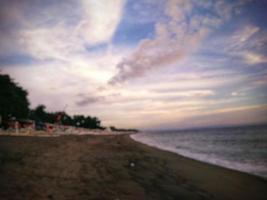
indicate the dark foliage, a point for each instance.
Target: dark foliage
{"x":40,"y":115}
{"x":13,"y":99}
{"x":15,"y":105}
{"x":122,"y":130}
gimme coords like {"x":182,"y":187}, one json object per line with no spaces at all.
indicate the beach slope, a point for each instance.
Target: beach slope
{"x":112,"y":167}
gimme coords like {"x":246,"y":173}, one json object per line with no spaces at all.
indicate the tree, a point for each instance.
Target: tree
{"x":14,"y":103}
{"x":13,"y":99}
{"x":39,"y":114}
{"x":78,"y":120}
{"x":67,"y":120}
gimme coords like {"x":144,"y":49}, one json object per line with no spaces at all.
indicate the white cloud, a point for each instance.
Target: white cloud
{"x":101,"y":20}
{"x":59,"y":30}
{"x":49,"y":81}
{"x":241,"y":37}
{"x":50,"y":42}
{"x":237,"y":94}
{"x":254,"y":58}
{"x":198,"y":93}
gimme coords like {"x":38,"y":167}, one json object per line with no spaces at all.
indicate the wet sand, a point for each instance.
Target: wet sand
{"x":112,"y":167}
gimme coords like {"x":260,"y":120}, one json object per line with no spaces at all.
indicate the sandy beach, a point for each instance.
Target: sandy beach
{"x":112,"y":167}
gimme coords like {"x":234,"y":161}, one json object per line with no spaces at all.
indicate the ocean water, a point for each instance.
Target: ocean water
{"x":240,"y":148}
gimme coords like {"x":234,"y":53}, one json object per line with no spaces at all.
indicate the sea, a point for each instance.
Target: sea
{"x":239,"y":148}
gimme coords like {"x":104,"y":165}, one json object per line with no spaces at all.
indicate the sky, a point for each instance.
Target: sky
{"x":146,"y":64}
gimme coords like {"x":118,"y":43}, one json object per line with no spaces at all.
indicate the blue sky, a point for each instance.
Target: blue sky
{"x":141,"y":64}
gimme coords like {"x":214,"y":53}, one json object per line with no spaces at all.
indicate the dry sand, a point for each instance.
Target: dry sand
{"x":112,"y":167}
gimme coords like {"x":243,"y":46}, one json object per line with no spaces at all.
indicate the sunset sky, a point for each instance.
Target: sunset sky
{"x":140,"y":63}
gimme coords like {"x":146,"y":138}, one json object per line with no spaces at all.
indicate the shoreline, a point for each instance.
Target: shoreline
{"x":113,"y":167}
{"x":198,"y":160}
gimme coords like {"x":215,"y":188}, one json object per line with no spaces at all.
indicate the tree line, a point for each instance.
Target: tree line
{"x":39,"y":114}
{"x":14,"y":104}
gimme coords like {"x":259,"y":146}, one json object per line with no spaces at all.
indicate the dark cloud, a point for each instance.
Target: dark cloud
{"x":88,"y":100}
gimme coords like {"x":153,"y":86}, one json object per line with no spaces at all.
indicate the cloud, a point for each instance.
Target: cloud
{"x":101,"y":20}
{"x":246,"y":33}
{"x":47,"y":82}
{"x":245,"y":45}
{"x":69,"y":42}
{"x":57,"y":30}
{"x":238,"y":94}
{"x":248,"y":44}
{"x":88,"y":100}
{"x":189,"y":93}
{"x":250,"y":114}
{"x":252,"y":58}
{"x":175,"y":38}
{"x":241,"y":38}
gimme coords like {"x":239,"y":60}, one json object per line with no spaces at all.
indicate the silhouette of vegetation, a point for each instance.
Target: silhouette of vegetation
{"x":39,"y":114}
{"x":13,"y":99}
{"x":15,"y":105}
{"x":112,"y":128}
{"x":86,"y":121}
